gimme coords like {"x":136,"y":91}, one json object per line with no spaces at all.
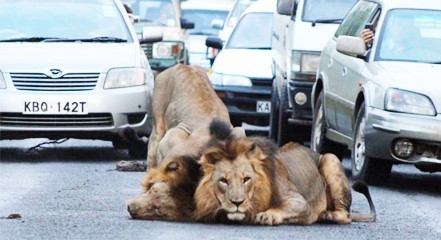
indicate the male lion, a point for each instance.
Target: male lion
{"x":247,"y":180}
{"x":184,"y":103}
{"x":168,"y":191}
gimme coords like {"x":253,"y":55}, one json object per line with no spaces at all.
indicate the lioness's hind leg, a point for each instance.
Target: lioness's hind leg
{"x":337,"y":190}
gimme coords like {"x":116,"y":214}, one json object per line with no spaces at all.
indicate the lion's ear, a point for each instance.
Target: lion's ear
{"x":172,"y":166}
{"x":256,"y":152}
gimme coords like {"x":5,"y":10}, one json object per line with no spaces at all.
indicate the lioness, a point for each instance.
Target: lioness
{"x":184,"y":103}
{"x":247,"y":180}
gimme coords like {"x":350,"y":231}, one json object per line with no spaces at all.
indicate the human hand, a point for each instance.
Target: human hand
{"x":367,"y":35}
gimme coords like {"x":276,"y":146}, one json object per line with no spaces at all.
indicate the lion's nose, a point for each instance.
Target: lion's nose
{"x":132,"y":209}
{"x":237,"y":202}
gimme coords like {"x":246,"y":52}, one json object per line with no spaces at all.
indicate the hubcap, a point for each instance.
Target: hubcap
{"x":359,"y":146}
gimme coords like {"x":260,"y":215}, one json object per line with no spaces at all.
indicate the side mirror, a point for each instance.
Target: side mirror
{"x":214,"y":42}
{"x":217,"y":24}
{"x":352,"y":46}
{"x":151,"y":35}
{"x":185,"y":24}
{"x":286,"y":7}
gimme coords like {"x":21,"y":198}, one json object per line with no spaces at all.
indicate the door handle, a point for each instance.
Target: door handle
{"x":345,"y":71}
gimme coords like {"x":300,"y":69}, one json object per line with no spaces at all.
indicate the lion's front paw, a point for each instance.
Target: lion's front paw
{"x":269,"y":217}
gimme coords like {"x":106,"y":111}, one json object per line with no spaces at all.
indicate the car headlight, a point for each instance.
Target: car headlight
{"x":167,"y":50}
{"x":229,"y":80}
{"x":305,"y":63}
{"x":2,"y":81}
{"x":408,"y":102}
{"x":124,"y":77}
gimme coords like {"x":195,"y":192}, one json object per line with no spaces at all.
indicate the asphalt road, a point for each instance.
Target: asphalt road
{"x":72,"y":191}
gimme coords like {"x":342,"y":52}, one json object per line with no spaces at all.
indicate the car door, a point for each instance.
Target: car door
{"x":345,"y":83}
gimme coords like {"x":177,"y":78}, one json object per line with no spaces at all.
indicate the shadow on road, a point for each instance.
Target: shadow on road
{"x":60,"y":153}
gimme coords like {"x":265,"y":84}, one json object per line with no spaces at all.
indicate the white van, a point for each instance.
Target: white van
{"x":301,"y":29}
{"x":75,"y":73}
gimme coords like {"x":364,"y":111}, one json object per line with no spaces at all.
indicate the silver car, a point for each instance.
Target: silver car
{"x":72,"y":69}
{"x":382,"y":100}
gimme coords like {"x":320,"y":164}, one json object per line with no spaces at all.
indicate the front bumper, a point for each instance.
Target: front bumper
{"x":242,"y":102}
{"x":384,"y":128}
{"x":301,"y":114}
{"x":108,"y":113}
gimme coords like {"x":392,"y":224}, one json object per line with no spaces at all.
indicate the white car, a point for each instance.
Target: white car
{"x":241,"y":73}
{"x":204,"y":14}
{"x":72,"y":69}
{"x":384,"y":104}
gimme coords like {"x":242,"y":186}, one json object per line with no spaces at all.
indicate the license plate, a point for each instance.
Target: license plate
{"x":263,"y":106}
{"x":62,"y":107}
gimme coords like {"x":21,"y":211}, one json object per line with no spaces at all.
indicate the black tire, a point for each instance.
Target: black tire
{"x":274,"y":113}
{"x":284,"y":131}
{"x":137,"y":150}
{"x":371,"y":170}
{"x":319,"y":142}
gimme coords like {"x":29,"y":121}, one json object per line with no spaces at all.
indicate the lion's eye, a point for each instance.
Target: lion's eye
{"x":224,"y":181}
{"x":246,"y":179}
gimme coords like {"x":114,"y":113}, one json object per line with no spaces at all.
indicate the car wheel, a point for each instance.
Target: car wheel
{"x":137,"y":150}
{"x":274,"y":113}
{"x":319,"y":142}
{"x":284,"y":132}
{"x":373,"y":171}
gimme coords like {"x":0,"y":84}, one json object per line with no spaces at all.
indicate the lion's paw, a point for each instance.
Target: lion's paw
{"x":269,"y":217}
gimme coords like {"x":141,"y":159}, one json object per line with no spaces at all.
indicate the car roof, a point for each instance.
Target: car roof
{"x":262,"y":6}
{"x":223,"y":5}
{"x":419,"y":4}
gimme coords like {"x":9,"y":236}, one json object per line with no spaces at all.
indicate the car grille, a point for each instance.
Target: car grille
{"x":89,"y":120}
{"x":148,"y":49}
{"x":42,"y":82}
{"x":268,"y":83}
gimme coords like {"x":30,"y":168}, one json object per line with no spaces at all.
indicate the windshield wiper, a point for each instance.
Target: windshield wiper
{"x":31,"y":39}
{"x":95,"y":39}
{"x":335,"y":20}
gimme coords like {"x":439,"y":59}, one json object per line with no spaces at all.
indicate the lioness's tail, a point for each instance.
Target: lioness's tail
{"x":362,"y":188}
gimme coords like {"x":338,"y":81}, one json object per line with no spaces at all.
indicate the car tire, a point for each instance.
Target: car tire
{"x":137,"y":150}
{"x":284,"y":132}
{"x":319,"y":142}
{"x":371,"y":170}
{"x":274,"y":113}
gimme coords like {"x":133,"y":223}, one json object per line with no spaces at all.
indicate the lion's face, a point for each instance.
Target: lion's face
{"x":235,"y":183}
{"x":167,"y":189}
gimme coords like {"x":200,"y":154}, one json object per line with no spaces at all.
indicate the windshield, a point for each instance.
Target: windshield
{"x":246,"y":35}
{"x":62,"y":20}
{"x":154,"y":12}
{"x":326,"y":10}
{"x":202,"y":20}
{"x":411,"y":35}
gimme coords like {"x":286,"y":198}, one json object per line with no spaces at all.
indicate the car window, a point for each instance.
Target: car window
{"x":239,"y":8}
{"x":354,"y":22}
{"x":202,"y":20}
{"x":323,"y":10}
{"x":157,"y":12}
{"x":410,"y":35}
{"x":247,"y":35}
{"x":47,"y":20}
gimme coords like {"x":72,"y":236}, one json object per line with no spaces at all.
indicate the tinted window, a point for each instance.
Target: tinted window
{"x":202,"y":20}
{"x":355,"y":20}
{"x":248,"y":35}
